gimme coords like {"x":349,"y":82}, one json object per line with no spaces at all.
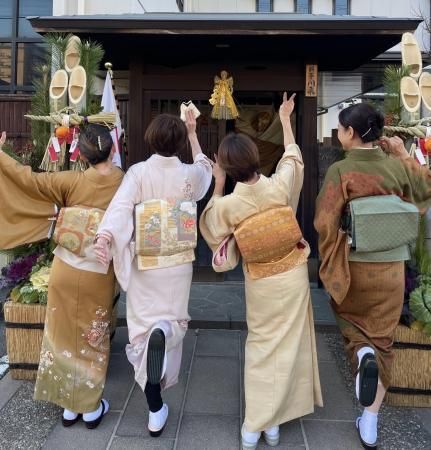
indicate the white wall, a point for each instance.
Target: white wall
{"x":322,"y":7}
{"x":219,"y":6}
{"x":396,"y":8}
{"x":82,"y":7}
{"x":286,"y":6}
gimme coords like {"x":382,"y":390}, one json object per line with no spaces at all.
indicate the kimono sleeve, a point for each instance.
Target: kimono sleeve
{"x":289,"y":174}
{"x":50,"y":187}
{"x":216,"y":221}
{"x":28,"y":202}
{"x":117,"y":224}
{"x":333,"y":246}
{"x":200,"y":173}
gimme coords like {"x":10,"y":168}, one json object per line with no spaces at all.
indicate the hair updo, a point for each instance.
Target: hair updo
{"x":95,"y":143}
{"x":365,"y":120}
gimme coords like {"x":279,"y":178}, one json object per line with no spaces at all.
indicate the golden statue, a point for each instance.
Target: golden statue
{"x":224,"y":107}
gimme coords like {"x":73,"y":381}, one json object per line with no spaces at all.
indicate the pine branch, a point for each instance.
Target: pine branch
{"x":58,"y":44}
{"x":91,"y":54}
{"x":392,"y":76}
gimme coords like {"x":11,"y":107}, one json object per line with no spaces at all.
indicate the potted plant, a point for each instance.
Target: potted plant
{"x":411,"y":372}
{"x":26,"y":277}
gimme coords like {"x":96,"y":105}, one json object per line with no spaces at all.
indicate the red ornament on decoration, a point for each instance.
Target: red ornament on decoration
{"x":61,"y":132}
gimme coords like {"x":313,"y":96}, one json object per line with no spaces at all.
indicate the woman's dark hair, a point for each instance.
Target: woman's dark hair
{"x":95,"y":143}
{"x":166,"y":135}
{"x":238,"y":156}
{"x":365,"y":120}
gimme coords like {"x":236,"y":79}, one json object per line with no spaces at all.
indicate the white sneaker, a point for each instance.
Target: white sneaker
{"x":272,"y":436}
{"x":157,"y":421}
{"x":249,"y":440}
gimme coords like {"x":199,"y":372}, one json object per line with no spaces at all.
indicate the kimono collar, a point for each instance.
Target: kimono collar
{"x":98,"y":178}
{"x":165,"y":161}
{"x":366,"y":154}
{"x":243,"y":188}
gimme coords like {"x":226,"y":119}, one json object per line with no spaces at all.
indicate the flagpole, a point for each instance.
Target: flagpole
{"x":108,"y":67}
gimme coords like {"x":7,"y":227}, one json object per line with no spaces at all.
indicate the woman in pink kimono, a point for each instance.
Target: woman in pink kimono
{"x":158,"y":287}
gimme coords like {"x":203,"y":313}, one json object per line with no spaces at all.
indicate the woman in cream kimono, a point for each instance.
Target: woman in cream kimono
{"x":158,"y":287}
{"x":281,"y":374}
{"x":75,"y":348}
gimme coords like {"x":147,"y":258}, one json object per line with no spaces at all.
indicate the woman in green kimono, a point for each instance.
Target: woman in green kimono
{"x":367,"y":294}
{"x":75,"y":348}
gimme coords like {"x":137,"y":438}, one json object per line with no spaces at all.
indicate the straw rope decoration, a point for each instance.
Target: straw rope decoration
{"x":416,"y":129}
{"x":107,"y":119}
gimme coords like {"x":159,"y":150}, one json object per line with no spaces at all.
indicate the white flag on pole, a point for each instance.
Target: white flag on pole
{"x":109,"y":105}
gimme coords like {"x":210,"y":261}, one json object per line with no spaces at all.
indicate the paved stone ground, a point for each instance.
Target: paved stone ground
{"x":222,"y":305}
{"x":206,"y":407}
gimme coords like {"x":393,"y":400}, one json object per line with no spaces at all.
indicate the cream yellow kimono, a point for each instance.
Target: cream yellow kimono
{"x":281,"y":373}
{"x":157,"y":296}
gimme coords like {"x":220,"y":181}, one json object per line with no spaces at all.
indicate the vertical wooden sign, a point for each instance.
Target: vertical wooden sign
{"x":311,"y":73}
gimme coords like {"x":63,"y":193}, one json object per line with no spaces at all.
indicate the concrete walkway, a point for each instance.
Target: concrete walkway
{"x":206,"y":407}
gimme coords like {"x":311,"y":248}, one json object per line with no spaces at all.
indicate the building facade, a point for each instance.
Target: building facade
{"x":165,"y":52}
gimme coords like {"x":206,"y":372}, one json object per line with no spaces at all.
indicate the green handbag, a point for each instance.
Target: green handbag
{"x":381,"y":223}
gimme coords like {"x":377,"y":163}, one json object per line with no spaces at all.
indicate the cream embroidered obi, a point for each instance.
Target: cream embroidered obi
{"x":165,"y":233}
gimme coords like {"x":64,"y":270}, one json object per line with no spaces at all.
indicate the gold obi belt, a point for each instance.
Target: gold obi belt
{"x":165,"y":233}
{"x":76,"y":228}
{"x":271,"y":242}
{"x":296,"y":257}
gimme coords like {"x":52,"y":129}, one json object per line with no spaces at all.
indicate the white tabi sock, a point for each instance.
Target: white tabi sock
{"x":89,"y":417}
{"x":368,"y":427}
{"x":363,"y":351}
{"x":69,"y":415}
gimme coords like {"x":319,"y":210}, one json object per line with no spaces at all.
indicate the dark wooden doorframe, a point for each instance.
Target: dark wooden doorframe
{"x":291,"y":77}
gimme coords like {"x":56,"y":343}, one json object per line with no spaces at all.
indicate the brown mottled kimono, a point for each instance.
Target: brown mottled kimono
{"x":367,"y":297}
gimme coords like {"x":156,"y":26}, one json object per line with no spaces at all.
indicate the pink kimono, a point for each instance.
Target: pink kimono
{"x":158,"y":296}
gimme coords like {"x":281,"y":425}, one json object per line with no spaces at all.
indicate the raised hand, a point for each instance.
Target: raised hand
{"x":101,"y":250}
{"x":394,"y":146}
{"x":286,"y":108}
{"x":218,"y":173}
{"x":190,"y":122}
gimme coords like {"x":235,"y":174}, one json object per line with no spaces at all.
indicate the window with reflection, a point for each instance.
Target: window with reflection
{"x":303,"y":6}
{"x":20,"y":47}
{"x":341,"y":7}
{"x":5,"y":65}
{"x":264,"y":6}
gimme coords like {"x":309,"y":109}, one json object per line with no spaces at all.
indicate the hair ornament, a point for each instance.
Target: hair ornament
{"x":369,"y":129}
{"x":99,"y":143}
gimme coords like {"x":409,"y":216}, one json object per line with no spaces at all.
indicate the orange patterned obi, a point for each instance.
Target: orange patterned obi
{"x":299,"y":255}
{"x":165,"y":232}
{"x":76,"y":228}
{"x":270,"y":242}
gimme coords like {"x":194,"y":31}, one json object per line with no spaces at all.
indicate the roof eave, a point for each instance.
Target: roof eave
{"x":218,"y":24}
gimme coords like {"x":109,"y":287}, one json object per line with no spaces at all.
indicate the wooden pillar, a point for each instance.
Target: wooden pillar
{"x":135,"y":113}
{"x":308,"y":142}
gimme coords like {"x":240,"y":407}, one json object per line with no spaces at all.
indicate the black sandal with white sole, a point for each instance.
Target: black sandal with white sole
{"x":155,"y":356}
{"x":69,"y":422}
{"x":92,"y":424}
{"x":368,"y":379}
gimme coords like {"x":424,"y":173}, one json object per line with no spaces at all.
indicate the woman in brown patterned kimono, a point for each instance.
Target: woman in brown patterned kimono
{"x":367,"y":293}
{"x":75,"y":348}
